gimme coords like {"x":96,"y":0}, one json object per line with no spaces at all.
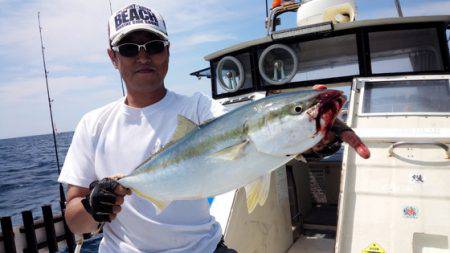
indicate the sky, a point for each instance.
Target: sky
{"x":81,"y":77}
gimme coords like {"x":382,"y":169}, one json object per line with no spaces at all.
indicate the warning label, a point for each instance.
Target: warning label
{"x":373,"y":248}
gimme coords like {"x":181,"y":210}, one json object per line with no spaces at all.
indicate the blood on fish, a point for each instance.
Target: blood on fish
{"x":327,"y":103}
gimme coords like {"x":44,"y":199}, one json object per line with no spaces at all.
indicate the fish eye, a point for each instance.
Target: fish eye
{"x":297,"y":109}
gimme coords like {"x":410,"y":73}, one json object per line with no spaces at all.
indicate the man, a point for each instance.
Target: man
{"x":116,"y":138}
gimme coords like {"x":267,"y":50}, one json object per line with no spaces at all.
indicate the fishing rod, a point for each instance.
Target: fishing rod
{"x":121,"y":80}
{"x":399,"y":8}
{"x":61,"y":189}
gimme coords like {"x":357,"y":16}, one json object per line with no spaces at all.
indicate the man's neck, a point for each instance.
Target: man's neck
{"x":140,"y":100}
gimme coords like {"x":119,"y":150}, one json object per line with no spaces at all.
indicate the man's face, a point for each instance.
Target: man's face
{"x":142,"y":73}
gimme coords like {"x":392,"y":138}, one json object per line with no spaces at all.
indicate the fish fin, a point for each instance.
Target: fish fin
{"x":257,"y":192}
{"x":300,"y":158}
{"x":184,"y":127}
{"x":232,"y":152}
{"x":206,"y":122}
{"x":159,"y":205}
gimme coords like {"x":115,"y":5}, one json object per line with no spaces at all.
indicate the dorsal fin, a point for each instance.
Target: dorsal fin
{"x":184,"y":127}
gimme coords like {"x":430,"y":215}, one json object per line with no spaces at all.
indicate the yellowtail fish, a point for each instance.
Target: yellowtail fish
{"x":238,"y":149}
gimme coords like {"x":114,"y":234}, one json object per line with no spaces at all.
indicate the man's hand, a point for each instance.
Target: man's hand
{"x":338,"y":133}
{"x":104,"y":200}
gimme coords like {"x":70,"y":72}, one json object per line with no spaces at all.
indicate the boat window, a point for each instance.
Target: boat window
{"x":243,"y":59}
{"x":327,"y":58}
{"x":405,"y":51}
{"x":324,"y":58}
{"x":407,"y":96}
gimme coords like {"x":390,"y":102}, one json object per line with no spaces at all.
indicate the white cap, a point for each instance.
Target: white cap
{"x":133,"y":18}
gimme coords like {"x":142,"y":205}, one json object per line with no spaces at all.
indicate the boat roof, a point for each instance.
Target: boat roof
{"x":334,"y":27}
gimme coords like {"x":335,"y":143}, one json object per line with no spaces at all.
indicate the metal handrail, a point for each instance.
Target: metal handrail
{"x":403,"y":143}
{"x":271,"y":19}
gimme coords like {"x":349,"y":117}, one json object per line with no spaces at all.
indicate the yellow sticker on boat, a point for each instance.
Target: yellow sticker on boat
{"x":373,"y":248}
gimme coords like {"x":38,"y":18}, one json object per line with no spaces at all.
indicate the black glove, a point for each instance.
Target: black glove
{"x":100,"y":201}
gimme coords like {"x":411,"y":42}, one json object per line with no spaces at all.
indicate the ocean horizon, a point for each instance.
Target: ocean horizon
{"x":34,"y":135}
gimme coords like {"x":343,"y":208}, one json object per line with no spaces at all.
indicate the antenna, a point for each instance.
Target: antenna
{"x":267,"y":10}
{"x":61,"y":189}
{"x":399,"y":8}
{"x":110,"y":8}
{"x":121,"y":80}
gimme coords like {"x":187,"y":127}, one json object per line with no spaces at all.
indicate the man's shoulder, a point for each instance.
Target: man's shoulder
{"x":198,"y":107}
{"x":99,"y":115}
{"x":197,"y":101}
{"x":194,"y":98}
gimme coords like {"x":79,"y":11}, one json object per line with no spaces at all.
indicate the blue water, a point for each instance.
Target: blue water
{"x":28,"y":176}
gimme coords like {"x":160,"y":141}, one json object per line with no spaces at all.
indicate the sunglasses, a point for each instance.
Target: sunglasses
{"x":132,"y":49}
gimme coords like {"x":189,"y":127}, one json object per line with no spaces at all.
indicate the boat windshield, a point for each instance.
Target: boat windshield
{"x":408,"y":96}
{"x":323,"y":58}
{"x":415,"y":50}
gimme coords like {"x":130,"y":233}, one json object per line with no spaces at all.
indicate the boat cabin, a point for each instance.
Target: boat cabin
{"x":396,"y":75}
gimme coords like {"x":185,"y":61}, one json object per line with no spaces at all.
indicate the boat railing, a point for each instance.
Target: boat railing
{"x":272,"y":20}
{"x":48,"y":232}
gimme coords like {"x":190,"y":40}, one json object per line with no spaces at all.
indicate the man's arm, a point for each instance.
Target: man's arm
{"x":103,"y":201}
{"x":77,"y":218}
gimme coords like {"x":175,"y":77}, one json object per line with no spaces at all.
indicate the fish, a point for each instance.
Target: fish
{"x":238,"y":149}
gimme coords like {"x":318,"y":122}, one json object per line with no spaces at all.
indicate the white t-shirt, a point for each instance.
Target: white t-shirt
{"x":115,"y":139}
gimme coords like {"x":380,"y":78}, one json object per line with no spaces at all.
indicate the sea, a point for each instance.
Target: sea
{"x":28,"y":177}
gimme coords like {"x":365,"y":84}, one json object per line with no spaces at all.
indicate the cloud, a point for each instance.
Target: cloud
{"x":197,"y":39}
{"x":60,"y":68}
{"x":75,"y":32}
{"x":31,"y":89}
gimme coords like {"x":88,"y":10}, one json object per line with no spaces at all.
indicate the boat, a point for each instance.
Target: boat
{"x":396,"y":75}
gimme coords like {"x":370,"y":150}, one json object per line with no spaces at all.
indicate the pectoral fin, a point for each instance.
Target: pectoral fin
{"x":232,"y":152}
{"x":257,"y":192}
{"x":159,"y":205}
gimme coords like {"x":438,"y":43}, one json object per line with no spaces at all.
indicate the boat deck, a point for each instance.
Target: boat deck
{"x":313,"y":244}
